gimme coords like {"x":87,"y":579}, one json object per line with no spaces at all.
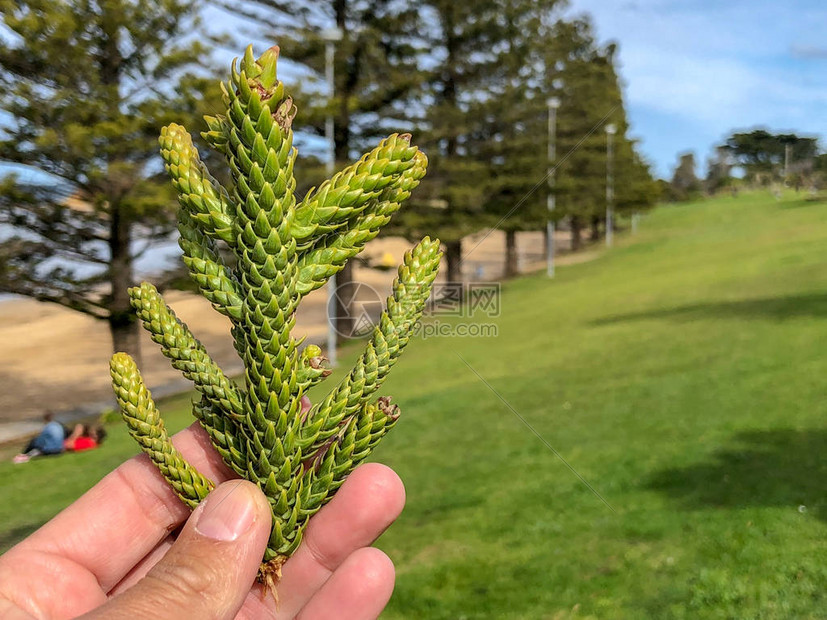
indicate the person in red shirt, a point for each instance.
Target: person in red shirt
{"x":84,"y":437}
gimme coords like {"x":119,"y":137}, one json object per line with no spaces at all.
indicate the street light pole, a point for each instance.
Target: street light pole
{"x":788,"y":151}
{"x":610,"y":132}
{"x":553,"y":104}
{"x":330,"y":36}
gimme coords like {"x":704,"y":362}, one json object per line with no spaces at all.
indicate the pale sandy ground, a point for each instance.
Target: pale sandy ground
{"x":53,"y":358}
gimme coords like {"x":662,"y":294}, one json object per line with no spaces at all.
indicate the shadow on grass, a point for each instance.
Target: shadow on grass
{"x":804,"y":201}
{"x":769,"y":308}
{"x":9,"y":538}
{"x":779,"y":467}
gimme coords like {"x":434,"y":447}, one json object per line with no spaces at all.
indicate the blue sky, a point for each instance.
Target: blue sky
{"x":695,"y":70}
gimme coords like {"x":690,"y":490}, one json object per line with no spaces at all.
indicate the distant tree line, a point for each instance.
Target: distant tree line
{"x":87,"y":86}
{"x":761,"y":158}
{"x":471,"y":81}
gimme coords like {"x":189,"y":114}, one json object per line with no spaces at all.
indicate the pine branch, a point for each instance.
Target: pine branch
{"x":90,"y":303}
{"x":283,"y":249}
{"x":147,"y":428}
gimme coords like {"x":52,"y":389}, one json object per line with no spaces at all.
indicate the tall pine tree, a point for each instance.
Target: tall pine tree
{"x":461,"y":38}
{"x":84,"y":89}
{"x":542,"y":57}
{"x":514,"y":137}
{"x":591,"y":99}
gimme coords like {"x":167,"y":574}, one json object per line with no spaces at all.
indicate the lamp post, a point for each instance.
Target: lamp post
{"x":330,"y":37}
{"x":610,"y":132}
{"x":788,"y":151}
{"x":553,"y":104}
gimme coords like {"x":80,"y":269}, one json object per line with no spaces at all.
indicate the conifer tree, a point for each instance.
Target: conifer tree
{"x":591,"y":97}
{"x":84,"y":87}
{"x":461,"y":38}
{"x":513,"y":140}
{"x":542,"y":56}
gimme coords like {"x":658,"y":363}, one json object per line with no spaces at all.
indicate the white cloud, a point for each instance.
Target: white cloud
{"x":720,"y":91}
{"x":717,"y":66}
{"x":694,"y":88}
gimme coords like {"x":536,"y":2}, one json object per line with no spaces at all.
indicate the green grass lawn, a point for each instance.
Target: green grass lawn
{"x":681,"y":374}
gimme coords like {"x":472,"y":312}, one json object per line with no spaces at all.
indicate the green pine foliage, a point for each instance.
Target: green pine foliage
{"x":460,"y":37}
{"x":86,"y":85}
{"x":513,"y":142}
{"x":285,"y":247}
{"x":376,"y":79}
{"x":589,"y":89}
{"x":375,"y":62}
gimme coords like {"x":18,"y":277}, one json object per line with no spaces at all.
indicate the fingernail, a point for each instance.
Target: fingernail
{"x":228,"y":512}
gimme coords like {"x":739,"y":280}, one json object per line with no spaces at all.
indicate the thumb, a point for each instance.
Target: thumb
{"x":209,"y":570}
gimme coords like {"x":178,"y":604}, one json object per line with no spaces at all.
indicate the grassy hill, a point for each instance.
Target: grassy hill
{"x":681,"y":375}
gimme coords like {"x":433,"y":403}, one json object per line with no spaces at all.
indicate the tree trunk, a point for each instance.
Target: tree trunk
{"x":344,"y":297}
{"x":576,"y":233}
{"x":123,"y":322}
{"x":125,"y":336}
{"x":511,"y":265}
{"x":595,"y":236}
{"x":453,"y":260}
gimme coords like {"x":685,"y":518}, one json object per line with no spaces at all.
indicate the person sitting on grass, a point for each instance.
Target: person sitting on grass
{"x":53,"y":440}
{"x":49,"y":441}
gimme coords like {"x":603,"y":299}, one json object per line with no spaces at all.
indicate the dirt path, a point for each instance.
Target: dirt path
{"x":53,"y":358}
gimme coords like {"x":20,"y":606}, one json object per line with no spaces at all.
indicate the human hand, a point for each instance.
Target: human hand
{"x":111,"y":554}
